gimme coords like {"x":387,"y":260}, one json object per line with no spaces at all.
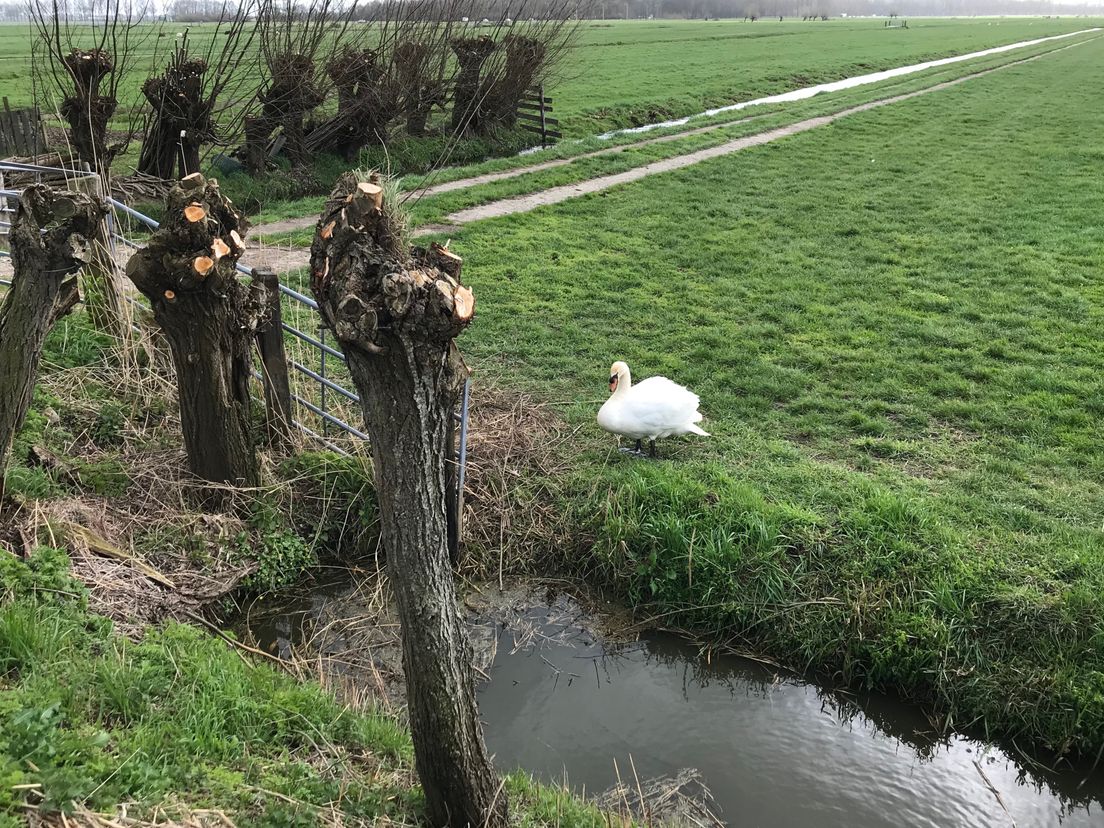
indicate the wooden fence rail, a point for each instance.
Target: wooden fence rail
{"x":532,"y":113}
{"x":20,"y":131}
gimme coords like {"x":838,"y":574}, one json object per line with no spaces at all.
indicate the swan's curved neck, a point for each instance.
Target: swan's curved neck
{"x":624,"y":383}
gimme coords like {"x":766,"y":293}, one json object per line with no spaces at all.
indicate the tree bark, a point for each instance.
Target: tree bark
{"x":396,"y":314}
{"x":469,"y":102}
{"x":87,"y":111}
{"x":210,"y":319}
{"x":254,"y":150}
{"x":41,"y":292}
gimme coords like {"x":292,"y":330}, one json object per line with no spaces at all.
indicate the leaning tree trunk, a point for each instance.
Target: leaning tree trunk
{"x":396,"y":315}
{"x":41,"y":291}
{"x":210,"y":318}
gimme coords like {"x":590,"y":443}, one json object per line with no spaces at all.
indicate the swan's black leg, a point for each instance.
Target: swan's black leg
{"x":638,"y":449}
{"x":651,"y":445}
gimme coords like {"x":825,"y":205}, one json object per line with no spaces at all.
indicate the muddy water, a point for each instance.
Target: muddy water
{"x":773,"y":749}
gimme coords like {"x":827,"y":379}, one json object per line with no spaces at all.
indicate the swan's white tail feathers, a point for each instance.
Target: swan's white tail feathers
{"x":697,"y":430}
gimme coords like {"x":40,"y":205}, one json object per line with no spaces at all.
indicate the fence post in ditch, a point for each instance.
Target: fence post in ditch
{"x":270,"y":342}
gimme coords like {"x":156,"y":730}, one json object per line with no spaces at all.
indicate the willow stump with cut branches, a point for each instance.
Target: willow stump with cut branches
{"x":469,"y":96}
{"x":210,"y":319}
{"x":396,"y":313}
{"x":50,"y":241}
{"x":182,"y":120}
{"x":86,"y":109}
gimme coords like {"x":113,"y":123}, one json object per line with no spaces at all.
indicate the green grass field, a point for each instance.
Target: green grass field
{"x":892,"y":323}
{"x":631,"y":72}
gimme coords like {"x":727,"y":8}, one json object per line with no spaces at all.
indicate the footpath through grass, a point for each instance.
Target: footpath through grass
{"x":893,"y":323}
{"x":578,"y":161}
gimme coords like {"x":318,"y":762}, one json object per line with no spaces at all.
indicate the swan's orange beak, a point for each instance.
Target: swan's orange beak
{"x":613,"y":383}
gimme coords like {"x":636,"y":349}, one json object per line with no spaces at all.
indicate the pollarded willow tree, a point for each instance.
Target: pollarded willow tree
{"x":296,"y":42}
{"x":496,"y":69}
{"x":210,"y":319}
{"x":186,"y":98}
{"x":419,"y":77}
{"x":396,"y":313}
{"x":50,"y":241}
{"x":81,"y":59}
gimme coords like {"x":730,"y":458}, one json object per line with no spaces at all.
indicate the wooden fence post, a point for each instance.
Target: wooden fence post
{"x":543,"y":117}
{"x":102,"y":289}
{"x":270,"y":342}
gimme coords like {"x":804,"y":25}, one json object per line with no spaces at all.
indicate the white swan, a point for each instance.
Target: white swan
{"x":653,"y":408}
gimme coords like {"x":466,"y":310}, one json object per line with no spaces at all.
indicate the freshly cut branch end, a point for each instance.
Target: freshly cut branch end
{"x":203,"y":265}
{"x":170,"y":296}
{"x":194,"y":213}
{"x":463,"y":304}
{"x":219,"y":248}
{"x":373,"y":191}
{"x":195,"y":181}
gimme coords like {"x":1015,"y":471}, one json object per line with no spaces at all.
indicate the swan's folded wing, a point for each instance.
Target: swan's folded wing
{"x":663,"y":388}
{"x":658,"y":404}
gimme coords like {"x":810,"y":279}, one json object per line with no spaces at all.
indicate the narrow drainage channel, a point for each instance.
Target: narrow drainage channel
{"x":568,"y":702}
{"x":847,"y":83}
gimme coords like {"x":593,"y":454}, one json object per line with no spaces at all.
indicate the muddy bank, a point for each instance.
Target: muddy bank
{"x":347,"y":620}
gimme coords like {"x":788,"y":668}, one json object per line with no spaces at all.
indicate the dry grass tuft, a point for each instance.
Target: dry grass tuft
{"x":680,"y":799}
{"x":149,"y":553}
{"x":514,"y":467}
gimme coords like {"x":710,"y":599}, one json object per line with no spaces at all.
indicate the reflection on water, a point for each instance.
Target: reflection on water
{"x":774,"y":750}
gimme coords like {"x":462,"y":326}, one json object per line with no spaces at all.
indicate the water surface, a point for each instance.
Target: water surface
{"x":776,"y":751}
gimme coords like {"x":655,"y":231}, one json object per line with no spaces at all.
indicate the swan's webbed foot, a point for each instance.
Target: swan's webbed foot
{"x":635,"y":451}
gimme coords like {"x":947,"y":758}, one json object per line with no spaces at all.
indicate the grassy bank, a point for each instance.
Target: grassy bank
{"x":178,"y":725}
{"x":891,"y":322}
{"x":107,"y":702}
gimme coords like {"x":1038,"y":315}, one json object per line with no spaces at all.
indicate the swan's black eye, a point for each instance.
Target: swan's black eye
{"x":613,"y":378}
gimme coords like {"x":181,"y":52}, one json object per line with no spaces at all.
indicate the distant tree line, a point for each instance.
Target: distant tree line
{"x":192,"y":11}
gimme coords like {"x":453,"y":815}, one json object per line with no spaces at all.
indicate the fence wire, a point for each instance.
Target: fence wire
{"x":309,"y":356}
